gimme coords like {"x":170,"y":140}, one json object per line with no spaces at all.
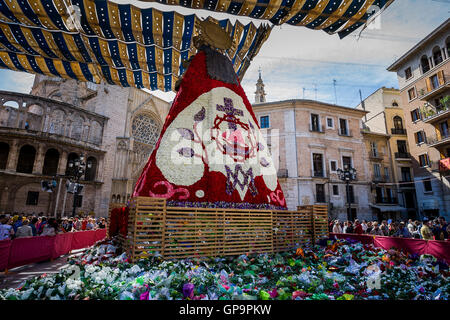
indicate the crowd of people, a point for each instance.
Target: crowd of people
{"x":427,"y":229}
{"x":18,"y":226}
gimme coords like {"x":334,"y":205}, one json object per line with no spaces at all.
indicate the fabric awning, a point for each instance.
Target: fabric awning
{"x":389,"y":208}
{"x":105,"y":41}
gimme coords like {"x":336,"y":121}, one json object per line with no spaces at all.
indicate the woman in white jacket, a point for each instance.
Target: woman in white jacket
{"x":337,"y":227}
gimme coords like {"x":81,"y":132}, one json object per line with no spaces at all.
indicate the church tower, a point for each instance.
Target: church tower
{"x":260,"y":94}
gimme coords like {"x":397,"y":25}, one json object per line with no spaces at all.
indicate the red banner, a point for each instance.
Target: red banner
{"x":83,"y":239}
{"x":63,"y":244}
{"x":30,"y":250}
{"x":5,"y":246}
{"x":439,"y":249}
{"x":100,"y":234}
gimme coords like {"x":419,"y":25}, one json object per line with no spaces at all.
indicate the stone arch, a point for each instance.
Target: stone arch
{"x":398,"y":122}
{"x":394,"y":103}
{"x":4,"y":153}
{"x":113,"y":198}
{"x":91,"y":173}
{"x":11,"y":104}
{"x":25,"y":162}
{"x":51,"y":161}
{"x":437,"y":55}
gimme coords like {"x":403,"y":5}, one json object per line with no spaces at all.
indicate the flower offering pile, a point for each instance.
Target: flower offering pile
{"x":339,"y":270}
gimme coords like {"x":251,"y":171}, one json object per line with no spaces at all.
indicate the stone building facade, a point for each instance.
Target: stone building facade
{"x":309,"y":141}
{"x":389,"y":156}
{"x":114,"y":128}
{"x":424,"y":80}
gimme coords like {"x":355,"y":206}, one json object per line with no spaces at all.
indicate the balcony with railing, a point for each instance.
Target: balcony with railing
{"x":318,"y":173}
{"x":398,"y":131}
{"x":384,"y":200}
{"x":376,"y":155}
{"x":435,"y":114}
{"x":436,"y":89}
{"x":443,"y":140}
{"x":344,"y":132}
{"x":318,"y":129}
{"x":380,"y":178}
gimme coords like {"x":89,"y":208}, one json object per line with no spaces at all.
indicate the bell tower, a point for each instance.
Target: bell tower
{"x":260,"y":94}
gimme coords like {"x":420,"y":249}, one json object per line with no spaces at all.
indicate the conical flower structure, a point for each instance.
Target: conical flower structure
{"x":211,"y":152}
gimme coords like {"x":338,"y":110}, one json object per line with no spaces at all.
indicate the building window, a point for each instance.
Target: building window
{"x":25,"y":162}
{"x":330,"y":123}
{"x":434,"y":82}
{"x":318,"y":165}
{"x":402,"y":149}
{"x":315,"y":122}
{"x":346,"y":162}
{"x":420,"y":137}
{"x":412,"y":93}
{"x":265,"y":122}
{"x":374,"y":149}
{"x":424,"y":160}
{"x":335,"y":190}
{"x":437,"y":55}
{"x":427,"y":185}
{"x":415,"y":115}
{"x":425,"y":64}
{"x":377,"y":170}
{"x":406,"y":174}
{"x":333,"y":165}
{"x":408,"y":73}
{"x":343,"y":127}
{"x":320,"y":193}
{"x":386,"y":173}
{"x":32,"y":198}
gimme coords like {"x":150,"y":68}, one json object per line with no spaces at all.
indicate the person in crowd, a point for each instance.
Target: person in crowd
{"x":425,"y":231}
{"x":444,"y":226}
{"x":392,"y":228}
{"x":402,"y":231}
{"x":384,"y":228}
{"x":364,"y":226}
{"x":76,"y":224}
{"x":6,"y":230}
{"x":376,"y":230}
{"x":416,"y":233}
{"x":358,"y":227}
{"x":65,"y":226}
{"x":350,"y":228}
{"x":84,"y":224}
{"x":337,"y":227}
{"x":41,"y":225}
{"x":33,"y":223}
{"x":50,"y":228}
{"x":369,"y":227}
{"x":102,"y":224}
{"x":411,"y":227}
{"x":17,"y":223}
{"x":24,"y":230}
{"x":89,"y":224}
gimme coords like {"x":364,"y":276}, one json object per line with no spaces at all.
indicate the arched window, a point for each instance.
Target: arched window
{"x":71,"y":156}
{"x":113,"y":198}
{"x":51,"y":160}
{"x":118,"y":198}
{"x":4,"y":152}
{"x":77,"y":128}
{"x":26,"y":159}
{"x":395,"y":104}
{"x":437,"y":55}
{"x":398,"y":122}
{"x":425,"y":64}
{"x":91,"y":172}
{"x":145,"y":131}
{"x":57,"y":122}
{"x":95,"y":133}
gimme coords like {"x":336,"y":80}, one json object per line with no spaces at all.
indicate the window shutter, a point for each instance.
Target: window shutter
{"x":429,"y":87}
{"x":441,"y":77}
{"x":417,"y":138}
{"x":424,"y":137}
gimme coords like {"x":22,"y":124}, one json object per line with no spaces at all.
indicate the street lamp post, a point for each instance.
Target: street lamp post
{"x":77,"y":168}
{"x":347,"y":175}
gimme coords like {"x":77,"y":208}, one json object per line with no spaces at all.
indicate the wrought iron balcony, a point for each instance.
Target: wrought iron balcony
{"x":438,"y":142}
{"x":398,"y":131}
{"x":376,"y":155}
{"x":319,"y":129}
{"x":380,"y":178}
{"x":383,"y":200}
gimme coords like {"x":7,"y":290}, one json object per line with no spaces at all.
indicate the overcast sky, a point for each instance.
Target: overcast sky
{"x":297,"y":62}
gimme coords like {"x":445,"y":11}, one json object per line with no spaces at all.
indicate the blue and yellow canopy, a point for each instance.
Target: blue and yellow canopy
{"x":144,"y":48}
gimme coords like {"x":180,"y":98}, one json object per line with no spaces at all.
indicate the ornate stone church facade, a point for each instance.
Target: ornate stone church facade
{"x":114,"y":128}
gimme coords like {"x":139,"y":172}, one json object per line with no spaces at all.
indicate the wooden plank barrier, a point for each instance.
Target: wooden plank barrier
{"x":155,"y":229}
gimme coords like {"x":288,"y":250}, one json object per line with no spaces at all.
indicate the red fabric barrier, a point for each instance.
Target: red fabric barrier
{"x":63,"y":244}
{"x":417,"y":246}
{"x":100,"y":234}
{"x":5,"y":246}
{"x":83,"y":239}
{"x":439,"y":249}
{"x":30,"y":250}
